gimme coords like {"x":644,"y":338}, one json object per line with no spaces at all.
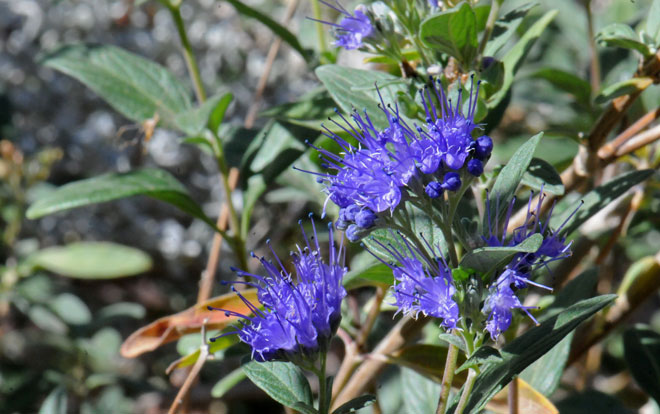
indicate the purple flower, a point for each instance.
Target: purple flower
{"x":517,"y":274}
{"x":352,"y":29}
{"x":422,"y":286}
{"x":300,"y":314}
{"x":400,"y":161}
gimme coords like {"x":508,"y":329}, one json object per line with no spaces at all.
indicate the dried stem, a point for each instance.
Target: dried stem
{"x":270,"y":59}
{"x":374,"y":311}
{"x":192,"y":375}
{"x":513,"y":396}
{"x":401,"y":333}
{"x":208,"y":276}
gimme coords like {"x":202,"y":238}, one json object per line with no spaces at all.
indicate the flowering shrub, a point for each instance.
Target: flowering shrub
{"x":453,"y":251}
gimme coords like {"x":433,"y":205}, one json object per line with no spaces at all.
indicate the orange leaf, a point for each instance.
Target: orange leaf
{"x":530,"y":401}
{"x":172,"y":327}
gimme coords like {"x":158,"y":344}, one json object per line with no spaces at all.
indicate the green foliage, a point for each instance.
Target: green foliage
{"x":486,"y":259}
{"x":282,"y":381}
{"x":92,"y":260}
{"x":642,"y":354}
{"x":453,"y":32}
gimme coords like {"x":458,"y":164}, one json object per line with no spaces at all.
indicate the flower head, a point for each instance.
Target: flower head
{"x":353,"y":28}
{"x":517,"y":274}
{"x":422,"y":285}
{"x":379,"y":168}
{"x":300,"y":314}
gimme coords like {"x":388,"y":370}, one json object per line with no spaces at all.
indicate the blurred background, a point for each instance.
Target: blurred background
{"x":61,"y":336}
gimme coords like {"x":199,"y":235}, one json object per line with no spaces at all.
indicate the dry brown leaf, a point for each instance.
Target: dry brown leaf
{"x":530,"y":401}
{"x":172,"y":327}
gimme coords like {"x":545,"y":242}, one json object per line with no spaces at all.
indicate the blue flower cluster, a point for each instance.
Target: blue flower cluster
{"x":300,"y":314}
{"x":502,"y":297}
{"x":352,"y":29}
{"x":381,"y":167}
{"x":422,"y":285}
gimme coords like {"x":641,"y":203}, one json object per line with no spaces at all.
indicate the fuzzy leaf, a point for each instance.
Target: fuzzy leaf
{"x":282,"y":381}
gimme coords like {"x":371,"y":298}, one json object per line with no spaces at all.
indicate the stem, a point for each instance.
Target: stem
{"x":595,"y":63}
{"x":320,"y":30}
{"x":447,"y":378}
{"x":467,"y":389}
{"x":188,"y":54}
{"x":513,"y":396}
{"x":324,"y":403}
{"x":490,"y":25}
{"x":192,"y":375}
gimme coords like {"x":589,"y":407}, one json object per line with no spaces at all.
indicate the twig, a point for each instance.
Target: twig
{"x":595,"y":63}
{"x":639,"y":141}
{"x":192,"y":376}
{"x":513,"y":396}
{"x":374,"y":311}
{"x":447,"y":378}
{"x":270,"y":59}
{"x":367,"y":372}
{"x":208,"y":276}
{"x":609,"y":149}
{"x":490,"y":25}
{"x":467,"y":389}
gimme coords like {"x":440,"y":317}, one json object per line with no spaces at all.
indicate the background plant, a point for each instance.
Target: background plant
{"x":596,"y":135}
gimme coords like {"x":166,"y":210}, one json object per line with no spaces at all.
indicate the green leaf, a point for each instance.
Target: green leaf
{"x":356,"y":88}
{"x":622,"y":35}
{"x":56,"y":402}
{"x":277,"y":28}
{"x":507,"y":181}
{"x":377,"y":274}
{"x":482,"y":356}
{"x":597,"y":199}
{"x":453,"y":32}
{"x":355,"y":404}
{"x":541,"y":174}
{"x":625,"y":87}
{"x":152,"y":182}
{"x":136,"y":87}
{"x":567,"y":82}
{"x":194,"y":120}
{"x":310,"y":111}
{"x":217,"y":114}
{"x":505,"y":27}
{"x":92,"y":260}
{"x":486,"y":259}
{"x":515,"y":56}
{"x":592,"y":401}
{"x":525,"y":349}
{"x":71,"y":309}
{"x":303,"y":408}
{"x":545,"y":373}
{"x":282,"y":381}
{"x":228,"y":382}
{"x":653,"y":22}
{"x":642,"y":354}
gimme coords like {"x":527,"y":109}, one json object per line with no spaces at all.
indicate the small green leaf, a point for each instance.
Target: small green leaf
{"x":151,"y":182}
{"x":625,"y":87}
{"x":597,"y":199}
{"x":227,"y":382}
{"x":487,"y":259}
{"x":376,"y":275}
{"x":136,"y":87}
{"x":304,"y":408}
{"x":282,"y":381}
{"x":194,"y":120}
{"x":507,"y":181}
{"x":653,"y":22}
{"x":642,"y":354}
{"x":56,"y":402}
{"x":277,"y":28}
{"x":541,"y":174}
{"x":622,"y":35}
{"x":71,"y":309}
{"x":92,"y":260}
{"x":527,"y":348}
{"x":453,"y":32}
{"x":355,"y":404}
{"x":356,"y":88}
{"x":515,"y":56}
{"x":217,"y":114}
{"x":310,"y":111}
{"x":505,"y":27}
{"x":567,"y":82}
